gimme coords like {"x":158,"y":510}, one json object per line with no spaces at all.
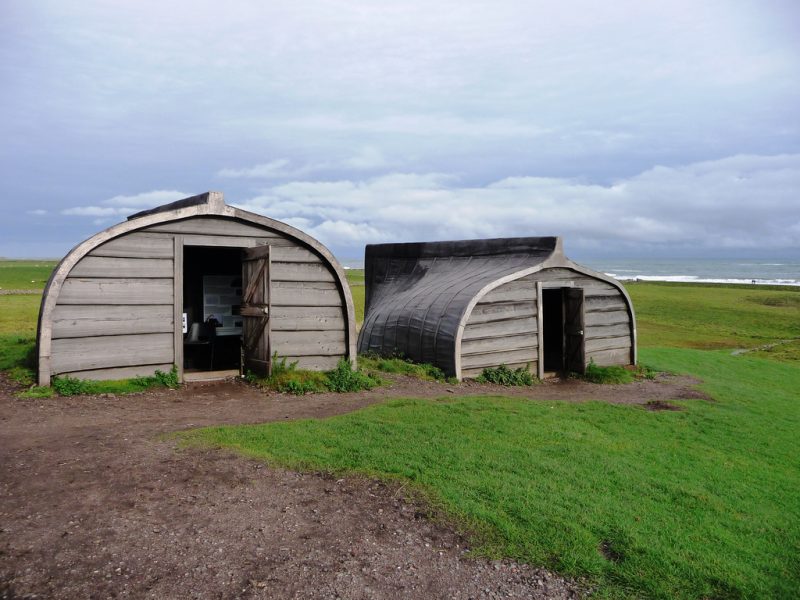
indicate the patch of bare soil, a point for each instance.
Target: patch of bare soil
{"x":95,"y":504}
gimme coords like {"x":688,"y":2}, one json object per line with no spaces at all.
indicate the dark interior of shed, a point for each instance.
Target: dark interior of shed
{"x":553,"y":316}
{"x":212,"y":296}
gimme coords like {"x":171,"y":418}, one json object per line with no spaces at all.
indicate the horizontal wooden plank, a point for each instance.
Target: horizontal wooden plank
{"x":224,"y":241}
{"x":604,"y":303}
{"x":497,"y":358}
{"x":315,"y":363}
{"x":121,"y":373}
{"x":215,"y":226}
{"x":606,"y":358}
{"x":297,"y":271}
{"x":296,"y":293}
{"x":108,"y":266}
{"x":498,"y":311}
{"x":295,"y":254}
{"x":615,"y":317}
{"x":498,"y":344}
{"x":116,"y":291}
{"x":71,"y":320}
{"x":91,"y":353}
{"x":607,"y":344}
{"x":308,"y":343}
{"x":513,"y":291}
{"x":303,"y":318}
{"x":473,"y":373}
{"x":503,"y":328}
{"x":607,"y":331}
{"x":137,"y":245}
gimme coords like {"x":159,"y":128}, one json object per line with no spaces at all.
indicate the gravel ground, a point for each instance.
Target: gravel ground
{"x":96,"y":503}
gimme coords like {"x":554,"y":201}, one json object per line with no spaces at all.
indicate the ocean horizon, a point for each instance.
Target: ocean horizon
{"x":745,"y":271}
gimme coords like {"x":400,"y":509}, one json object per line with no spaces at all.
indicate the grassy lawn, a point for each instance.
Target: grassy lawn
{"x":25,"y":274}
{"x":355,"y":277}
{"x":699,"y":503}
{"x":714,"y":316}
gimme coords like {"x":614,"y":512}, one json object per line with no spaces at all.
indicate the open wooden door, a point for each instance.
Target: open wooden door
{"x":574,"y":346}
{"x":255,"y":311}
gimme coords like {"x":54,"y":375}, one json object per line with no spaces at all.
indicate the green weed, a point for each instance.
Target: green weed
{"x":345,"y":379}
{"x":287,"y":378}
{"x":71,"y":386}
{"x":402,"y":366}
{"x":609,"y":375}
{"x":502,"y":375}
{"x":37,"y":392}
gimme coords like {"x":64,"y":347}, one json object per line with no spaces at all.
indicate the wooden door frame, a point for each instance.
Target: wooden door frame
{"x":266,"y":332}
{"x":540,"y":287}
{"x":180,"y":241}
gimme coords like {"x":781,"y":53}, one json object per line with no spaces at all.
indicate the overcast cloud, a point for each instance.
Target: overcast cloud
{"x":627,"y":126}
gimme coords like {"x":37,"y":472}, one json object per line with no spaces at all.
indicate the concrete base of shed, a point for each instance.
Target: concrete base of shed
{"x":210,"y":375}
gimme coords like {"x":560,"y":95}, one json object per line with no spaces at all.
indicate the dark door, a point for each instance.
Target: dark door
{"x":255,"y":311}
{"x":574,"y":355}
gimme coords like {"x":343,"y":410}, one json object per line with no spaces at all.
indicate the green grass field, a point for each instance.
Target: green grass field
{"x":25,"y":274}
{"x":699,"y":503}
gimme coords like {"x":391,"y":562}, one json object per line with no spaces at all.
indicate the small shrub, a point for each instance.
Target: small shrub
{"x":403,"y":366}
{"x":69,"y":386}
{"x":645,"y":372}
{"x":298,"y":382}
{"x":608,"y":375}
{"x":169,"y":379}
{"x":37,"y":392}
{"x":22,"y":375}
{"x":345,"y":379}
{"x":287,"y":378}
{"x":502,"y":375}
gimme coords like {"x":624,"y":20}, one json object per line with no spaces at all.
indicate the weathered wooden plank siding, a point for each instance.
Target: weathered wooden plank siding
{"x":309,"y":343}
{"x":70,"y":321}
{"x":219,"y":226}
{"x":301,"y":318}
{"x":136,"y":244}
{"x":519,"y":356}
{"x":309,"y":294}
{"x":502,"y":328}
{"x":105,"y":267}
{"x":301,"y":271}
{"x":103,"y":352}
{"x":120,"y":290}
{"x":114,"y":316}
{"x":607,"y":323}
{"x":121,"y":372}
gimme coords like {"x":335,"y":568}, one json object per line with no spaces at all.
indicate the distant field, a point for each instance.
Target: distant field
{"x":355,"y":277}
{"x":25,"y":274}
{"x":708,"y":316}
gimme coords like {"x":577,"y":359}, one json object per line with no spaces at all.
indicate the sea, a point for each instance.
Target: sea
{"x":689,"y":270}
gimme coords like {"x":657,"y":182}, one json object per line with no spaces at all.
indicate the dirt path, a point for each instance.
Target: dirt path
{"x":94,"y":505}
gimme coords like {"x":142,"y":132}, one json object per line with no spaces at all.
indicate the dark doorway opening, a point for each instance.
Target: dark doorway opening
{"x":563,"y":330}
{"x":553,"y":316}
{"x":212,"y":298}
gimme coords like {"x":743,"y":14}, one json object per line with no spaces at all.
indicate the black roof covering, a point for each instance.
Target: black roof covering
{"x":417,"y":293}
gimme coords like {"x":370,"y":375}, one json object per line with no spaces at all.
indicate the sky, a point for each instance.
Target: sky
{"x":631,"y":128}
